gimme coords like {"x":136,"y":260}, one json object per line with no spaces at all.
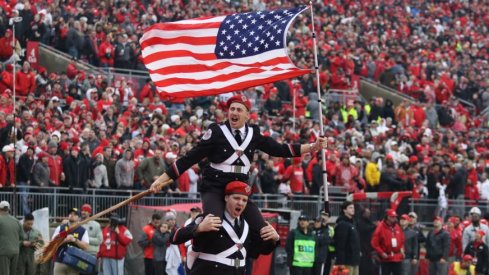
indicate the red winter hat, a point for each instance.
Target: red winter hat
{"x":42,"y":154}
{"x":86,"y":207}
{"x":413,"y":159}
{"x":239,"y":99}
{"x":75,"y":148}
{"x":438,"y":219}
{"x":75,"y":140}
{"x":405,"y":217}
{"x":453,"y":220}
{"x":63,"y":145}
{"x":391,"y":213}
{"x":254,"y":116}
{"x":237,"y":187}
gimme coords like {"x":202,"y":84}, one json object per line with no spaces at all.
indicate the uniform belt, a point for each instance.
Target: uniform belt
{"x":225,"y":261}
{"x":226,"y":168}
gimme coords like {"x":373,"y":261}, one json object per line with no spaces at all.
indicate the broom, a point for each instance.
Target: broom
{"x":46,"y":253}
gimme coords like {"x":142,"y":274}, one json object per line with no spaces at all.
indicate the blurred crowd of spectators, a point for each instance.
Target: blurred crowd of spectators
{"x":429,"y":50}
{"x":77,"y":129}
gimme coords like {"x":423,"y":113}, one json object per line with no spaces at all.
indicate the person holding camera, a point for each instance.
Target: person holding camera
{"x":106,"y":52}
{"x":116,"y":238}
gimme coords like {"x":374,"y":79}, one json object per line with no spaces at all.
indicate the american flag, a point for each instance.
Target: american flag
{"x":208,"y":56}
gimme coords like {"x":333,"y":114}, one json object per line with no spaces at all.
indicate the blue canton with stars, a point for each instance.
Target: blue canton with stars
{"x":247,"y":34}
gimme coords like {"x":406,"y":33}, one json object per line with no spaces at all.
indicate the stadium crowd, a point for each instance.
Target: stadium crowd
{"x":429,"y":50}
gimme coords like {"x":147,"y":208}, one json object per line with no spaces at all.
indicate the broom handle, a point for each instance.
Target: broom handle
{"x":117,"y":206}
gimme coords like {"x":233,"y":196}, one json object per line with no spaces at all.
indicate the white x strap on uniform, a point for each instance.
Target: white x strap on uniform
{"x":227,"y":165}
{"x":223,"y":256}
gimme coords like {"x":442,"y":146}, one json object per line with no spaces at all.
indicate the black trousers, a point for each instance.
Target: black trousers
{"x":391,"y":268}
{"x":148,"y":267}
{"x":213,"y":202}
{"x":159,"y":267}
{"x":318,"y":269}
{"x":329,"y":260}
{"x":300,"y":270}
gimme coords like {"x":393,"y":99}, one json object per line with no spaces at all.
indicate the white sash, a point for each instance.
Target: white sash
{"x":223,"y":256}
{"x":227,"y":165}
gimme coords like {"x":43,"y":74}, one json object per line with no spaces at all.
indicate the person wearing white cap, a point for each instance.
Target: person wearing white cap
{"x":7,"y":166}
{"x":10,"y":240}
{"x":469,"y":232}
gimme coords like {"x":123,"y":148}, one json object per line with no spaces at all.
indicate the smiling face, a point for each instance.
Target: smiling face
{"x":235,"y":204}
{"x":238,"y":115}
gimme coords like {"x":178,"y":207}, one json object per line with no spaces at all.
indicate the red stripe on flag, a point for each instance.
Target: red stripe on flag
{"x":220,"y":78}
{"x":203,"y":68}
{"x":181,"y":39}
{"x":181,"y":53}
{"x":237,"y":87}
{"x":179,"y":27}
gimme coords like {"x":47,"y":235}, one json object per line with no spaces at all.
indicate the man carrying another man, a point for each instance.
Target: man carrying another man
{"x":220,"y":246}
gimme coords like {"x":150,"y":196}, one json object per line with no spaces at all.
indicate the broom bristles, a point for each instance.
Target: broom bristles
{"x":47,"y":252}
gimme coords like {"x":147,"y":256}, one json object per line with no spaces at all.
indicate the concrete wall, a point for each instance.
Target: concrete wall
{"x":369,"y":89}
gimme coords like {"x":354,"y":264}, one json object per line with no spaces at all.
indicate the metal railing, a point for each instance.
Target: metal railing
{"x":408,"y":98}
{"x":342,"y":96}
{"x":59,"y":200}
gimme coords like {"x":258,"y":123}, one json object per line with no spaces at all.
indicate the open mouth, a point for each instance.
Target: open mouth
{"x":238,"y":209}
{"x":234,"y":119}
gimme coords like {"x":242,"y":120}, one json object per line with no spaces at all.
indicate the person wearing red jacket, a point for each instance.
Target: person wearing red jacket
{"x":25,"y":80}
{"x":147,"y":245}
{"x":116,"y":238}
{"x":106,"y":52}
{"x":55,"y":164}
{"x":455,"y":252}
{"x":388,"y":242}
{"x":347,"y":174}
{"x":295,"y":174}
{"x":6,"y":50}
{"x":7,"y":175}
{"x":6,"y":79}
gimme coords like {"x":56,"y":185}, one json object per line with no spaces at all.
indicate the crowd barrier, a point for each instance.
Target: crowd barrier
{"x":59,"y":200}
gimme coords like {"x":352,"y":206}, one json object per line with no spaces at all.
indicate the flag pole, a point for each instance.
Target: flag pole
{"x":294,"y":92}
{"x":321,"y":128}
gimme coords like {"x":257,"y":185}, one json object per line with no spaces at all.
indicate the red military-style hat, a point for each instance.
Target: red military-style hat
{"x":237,"y":187}
{"x":239,"y":99}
